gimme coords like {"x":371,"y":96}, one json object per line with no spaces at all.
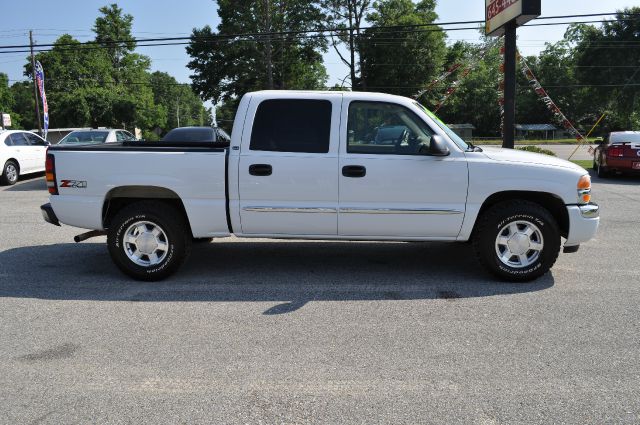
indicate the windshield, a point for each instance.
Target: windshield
{"x":84,"y":137}
{"x":190,"y":134}
{"x":456,"y":139}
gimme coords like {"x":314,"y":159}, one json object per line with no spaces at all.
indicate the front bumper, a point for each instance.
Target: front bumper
{"x":583,"y":223}
{"x":48,"y":214}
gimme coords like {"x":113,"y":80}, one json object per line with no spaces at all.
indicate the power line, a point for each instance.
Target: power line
{"x":319,"y":31}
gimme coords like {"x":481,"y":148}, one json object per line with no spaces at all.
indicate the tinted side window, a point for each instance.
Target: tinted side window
{"x":34,"y":140}
{"x":18,"y":139}
{"x":386,"y":128}
{"x":292,"y":125}
{"x":129,"y":136}
{"x":120,"y":136}
{"x":7,"y":141}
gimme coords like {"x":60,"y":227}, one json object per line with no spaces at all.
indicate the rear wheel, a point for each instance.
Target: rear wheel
{"x":149,"y":240}
{"x":517,"y":240}
{"x":10,"y":173}
{"x":602,"y":171}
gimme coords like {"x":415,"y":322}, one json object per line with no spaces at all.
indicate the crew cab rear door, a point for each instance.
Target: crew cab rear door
{"x":287,"y":173}
{"x":390,"y":187}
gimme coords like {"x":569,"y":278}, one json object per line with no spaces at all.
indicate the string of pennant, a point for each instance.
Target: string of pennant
{"x":440,"y":78}
{"x":528,"y":74}
{"x":550,"y":104}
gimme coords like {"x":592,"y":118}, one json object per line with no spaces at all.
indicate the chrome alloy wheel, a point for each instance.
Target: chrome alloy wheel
{"x":519,"y":244}
{"x":145,"y":243}
{"x":11,"y":173}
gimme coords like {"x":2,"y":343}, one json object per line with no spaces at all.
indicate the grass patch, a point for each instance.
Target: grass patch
{"x":584,"y":163}
{"x":527,"y":142}
{"x":536,"y":150}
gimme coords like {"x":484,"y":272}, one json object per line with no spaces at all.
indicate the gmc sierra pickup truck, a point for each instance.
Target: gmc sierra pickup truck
{"x":323,"y":165}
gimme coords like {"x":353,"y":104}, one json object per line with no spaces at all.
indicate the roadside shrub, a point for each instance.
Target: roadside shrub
{"x":536,"y":149}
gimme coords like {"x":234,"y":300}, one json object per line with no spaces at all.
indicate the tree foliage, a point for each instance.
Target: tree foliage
{"x":226,"y":67}
{"x":110,"y":86}
{"x":398,"y":59}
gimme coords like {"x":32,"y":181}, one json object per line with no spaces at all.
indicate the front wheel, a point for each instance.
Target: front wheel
{"x":149,"y":240}
{"x":517,"y":241}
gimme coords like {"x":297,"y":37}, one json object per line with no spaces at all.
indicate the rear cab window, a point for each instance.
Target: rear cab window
{"x":292,"y":125}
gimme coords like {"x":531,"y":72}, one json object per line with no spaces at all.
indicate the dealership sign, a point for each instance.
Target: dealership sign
{"x":498,"y":13}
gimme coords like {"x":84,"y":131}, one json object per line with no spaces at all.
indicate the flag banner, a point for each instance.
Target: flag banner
{"x":43,"y":96}
{"x":501,"y":90}
{"x":551,"y":106}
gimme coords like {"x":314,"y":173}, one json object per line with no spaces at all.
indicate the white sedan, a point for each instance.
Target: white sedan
{"x":21,"y":152}
{"x":96,"y":136}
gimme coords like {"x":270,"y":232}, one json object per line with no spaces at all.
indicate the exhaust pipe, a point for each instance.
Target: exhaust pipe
{"x":89,"y":235}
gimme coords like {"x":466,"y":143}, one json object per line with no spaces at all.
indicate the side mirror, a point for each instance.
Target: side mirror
{"x":437,"y":146}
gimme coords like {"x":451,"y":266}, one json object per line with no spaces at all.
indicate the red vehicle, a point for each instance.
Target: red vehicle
{"x":618,"y":152}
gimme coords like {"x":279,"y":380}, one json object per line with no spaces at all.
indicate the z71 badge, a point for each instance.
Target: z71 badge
{"x":75,"y":184}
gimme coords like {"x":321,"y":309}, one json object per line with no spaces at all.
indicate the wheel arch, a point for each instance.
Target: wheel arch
{"x":15,"y":161}
{"x":120,"y":197}
{"x":553,"y":203}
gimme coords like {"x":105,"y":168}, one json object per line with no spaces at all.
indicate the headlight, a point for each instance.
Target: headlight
{"x":584,"y":189}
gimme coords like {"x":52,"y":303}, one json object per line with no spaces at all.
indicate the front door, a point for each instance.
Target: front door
{"x":288,"y":179}
{"x":389,"y":186}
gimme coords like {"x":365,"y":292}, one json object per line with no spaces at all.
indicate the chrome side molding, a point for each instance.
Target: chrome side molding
{"x":398,"y":211}
{"x":291,"y":209}
{"x":352,"y":210}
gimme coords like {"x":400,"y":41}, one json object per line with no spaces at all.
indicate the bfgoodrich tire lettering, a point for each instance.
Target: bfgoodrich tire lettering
{"x":543,"y":235}
{"x":149,"y":215}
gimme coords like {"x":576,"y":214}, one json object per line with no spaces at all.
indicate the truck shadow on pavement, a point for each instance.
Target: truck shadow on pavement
{"x":290,"y":274}
{"x":28,"y":183}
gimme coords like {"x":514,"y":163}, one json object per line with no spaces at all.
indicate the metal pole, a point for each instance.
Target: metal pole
{"x":509,"y":85}
{"x":35,"y":84}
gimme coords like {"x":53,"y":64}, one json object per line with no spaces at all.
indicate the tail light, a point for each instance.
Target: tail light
{"x":615,"y":151}
{"x":50,"y":174}
{"x":584,"y":189}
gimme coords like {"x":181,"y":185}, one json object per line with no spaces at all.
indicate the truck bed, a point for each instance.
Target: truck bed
{"x":89,"y":176}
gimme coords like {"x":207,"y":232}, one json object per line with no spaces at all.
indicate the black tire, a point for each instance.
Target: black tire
{"x":10,"y":173}
{"x":602,"y":171}
{"x":202,"y":240}
{"x":174,"y":235}
{"x":494,"y":223}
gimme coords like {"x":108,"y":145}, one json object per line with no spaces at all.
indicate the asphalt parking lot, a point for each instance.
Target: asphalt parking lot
{"x":276,"y":332}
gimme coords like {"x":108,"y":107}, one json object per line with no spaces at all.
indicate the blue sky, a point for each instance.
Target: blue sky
{"x":161,"y":18}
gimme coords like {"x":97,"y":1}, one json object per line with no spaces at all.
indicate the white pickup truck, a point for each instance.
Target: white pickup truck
{"x":323,"y":165}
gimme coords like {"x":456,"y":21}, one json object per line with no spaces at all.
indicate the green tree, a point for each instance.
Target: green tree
{"x":348,"y":16}
{"x":401,"y":59}
{"x":226,"y":67}
{"x":181,"y":105}
{"x":607,"y":60}
{"x":475,"y":100}
{"x":6,"y":97}
{"x":23,"y":115}
{"x":113,"y":32}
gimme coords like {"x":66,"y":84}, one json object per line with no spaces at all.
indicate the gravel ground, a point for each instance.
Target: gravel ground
{"x":272,"y":332}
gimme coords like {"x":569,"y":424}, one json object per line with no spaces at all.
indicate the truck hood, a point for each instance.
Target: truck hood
{"x":515,"y":155}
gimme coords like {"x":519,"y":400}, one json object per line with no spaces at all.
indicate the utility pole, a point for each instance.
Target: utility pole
{"x":509,"y":85}
{"x":35,"y":83}
{"x":178,"y":109}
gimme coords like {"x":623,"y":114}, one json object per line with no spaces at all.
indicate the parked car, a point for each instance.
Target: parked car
{"x":618,"y":152}
{"x":197,"y":135}
{"x":294,"y":170}
{"x":96,"y":136}
{"x":21,"y":152}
